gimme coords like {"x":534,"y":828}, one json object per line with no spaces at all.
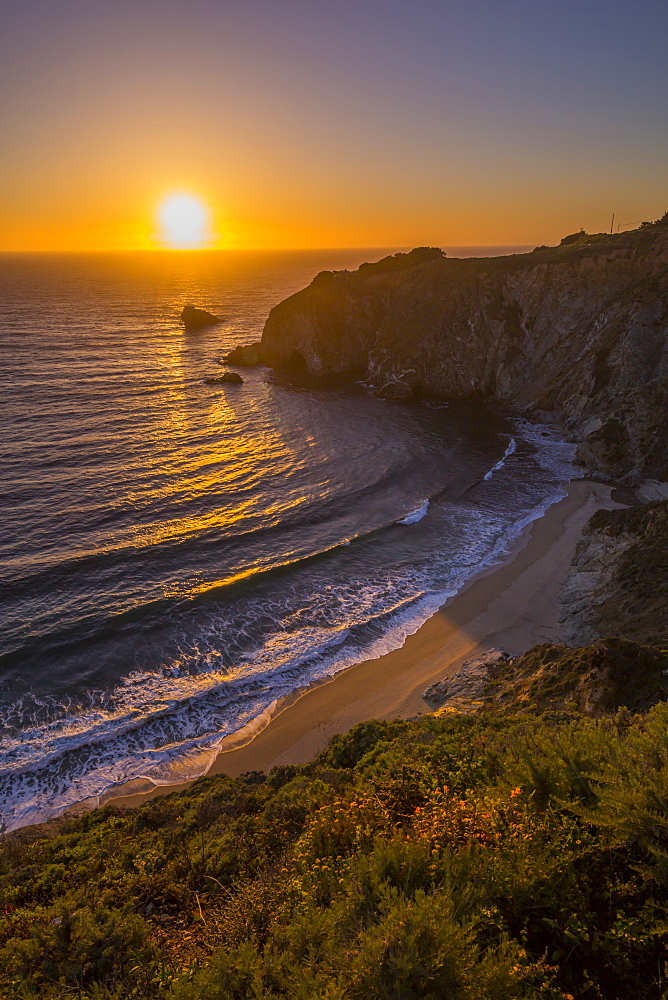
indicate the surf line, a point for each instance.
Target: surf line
{"x":416,"y":515}
{"x":510,"y":450}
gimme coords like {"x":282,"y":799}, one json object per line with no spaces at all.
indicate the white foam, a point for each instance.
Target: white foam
{"x":168,"y":726}
{"x":552,"y":453}
{"x":415,"y":515}
{"x":510,"y":450}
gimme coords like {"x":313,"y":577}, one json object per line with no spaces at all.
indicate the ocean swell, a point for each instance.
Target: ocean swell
{"x":234,"y":664}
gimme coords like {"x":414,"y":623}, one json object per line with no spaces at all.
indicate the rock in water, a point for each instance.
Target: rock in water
{"x":192,"y":318}
{"x":229,"y":377}
{"x":247,"y":355}
{"x":395,"y":390}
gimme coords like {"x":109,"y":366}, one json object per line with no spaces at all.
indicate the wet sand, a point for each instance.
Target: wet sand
{"x":513,"y":605}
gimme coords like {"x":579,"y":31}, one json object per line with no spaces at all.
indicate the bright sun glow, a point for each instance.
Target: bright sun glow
{"x":184,"y":222}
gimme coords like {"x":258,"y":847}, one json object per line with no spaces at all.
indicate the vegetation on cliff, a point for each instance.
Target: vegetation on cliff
{"x":596,"y":680}
{"x":487,"y":856}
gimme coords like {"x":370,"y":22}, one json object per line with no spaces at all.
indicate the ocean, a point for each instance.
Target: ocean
{"x":175,"y":556}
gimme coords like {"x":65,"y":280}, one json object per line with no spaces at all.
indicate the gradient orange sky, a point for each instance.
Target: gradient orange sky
{"x":316,"y":124}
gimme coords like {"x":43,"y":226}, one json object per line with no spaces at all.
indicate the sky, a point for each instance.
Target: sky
{"x":330,"y":123}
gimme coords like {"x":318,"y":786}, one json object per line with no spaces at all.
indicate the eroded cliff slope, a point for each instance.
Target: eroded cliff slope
{"x":577,"y":334}
{"x":619,"y":582}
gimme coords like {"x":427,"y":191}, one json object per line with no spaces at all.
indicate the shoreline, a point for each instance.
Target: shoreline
{"x":513,"y":605}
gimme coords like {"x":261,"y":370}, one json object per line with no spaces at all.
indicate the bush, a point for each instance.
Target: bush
{"x":75,"y":948}
{"x":573,"y":238}
{"x":471,"y":857}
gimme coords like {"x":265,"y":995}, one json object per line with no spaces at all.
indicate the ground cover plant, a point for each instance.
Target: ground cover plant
{"x":465,"y":857}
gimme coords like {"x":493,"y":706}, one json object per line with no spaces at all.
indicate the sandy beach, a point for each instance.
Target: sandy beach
{"x":512,"y":605}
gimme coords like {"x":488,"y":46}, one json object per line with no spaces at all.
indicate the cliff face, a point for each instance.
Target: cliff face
{"x":619,"y":581}
{"x":573,"y":334}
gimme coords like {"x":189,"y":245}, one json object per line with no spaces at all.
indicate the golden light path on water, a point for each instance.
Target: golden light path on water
{"x":232,"y":459}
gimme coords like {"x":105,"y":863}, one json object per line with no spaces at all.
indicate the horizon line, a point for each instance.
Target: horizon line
{"x":200,"y":250}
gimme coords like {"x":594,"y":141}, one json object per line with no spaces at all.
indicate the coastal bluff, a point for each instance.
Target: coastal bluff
{"x":575,"y":334}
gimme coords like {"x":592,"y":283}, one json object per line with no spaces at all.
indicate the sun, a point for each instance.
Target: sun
{"x":184,"y":222}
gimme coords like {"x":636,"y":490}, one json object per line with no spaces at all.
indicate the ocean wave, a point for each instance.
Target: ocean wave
{"x":415,"y":515}
{"x":240,"y":644}
{"x":510,"y":450}
{"x":26,"y":576}
{"x":168,"y":725}
{"x":552,"y":452}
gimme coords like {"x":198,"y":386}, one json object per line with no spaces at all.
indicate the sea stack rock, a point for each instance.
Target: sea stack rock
{"x":230,"y":377}
{"x":193,"y":318}
{"x":247,"y":356}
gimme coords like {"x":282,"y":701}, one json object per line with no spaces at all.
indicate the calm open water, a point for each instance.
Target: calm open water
{"x":175,"y":556}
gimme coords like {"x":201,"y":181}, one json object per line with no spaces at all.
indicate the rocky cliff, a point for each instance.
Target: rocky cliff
{"x":619,"y":579}
{"x":576,"y":334}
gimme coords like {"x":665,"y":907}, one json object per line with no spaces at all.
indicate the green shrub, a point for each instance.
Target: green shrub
{"x":573,"y":238}
{"x":75,"y":948}
{"x":472,"y":857}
